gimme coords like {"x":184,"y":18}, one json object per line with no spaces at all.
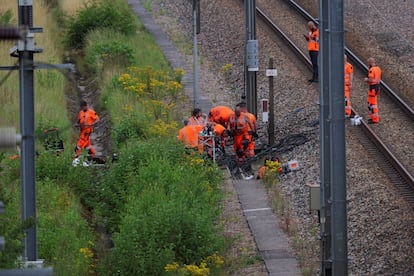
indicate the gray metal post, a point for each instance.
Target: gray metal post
{"x":250,"y":75}
{"x":325,"y":171}
{"x":271,"y":108}
{"x":26,"y":50}
{"x":195,"y":54}
{"x":337,"y":114}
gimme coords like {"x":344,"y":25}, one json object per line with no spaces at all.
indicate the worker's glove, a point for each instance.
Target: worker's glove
{"x":306,"y":37}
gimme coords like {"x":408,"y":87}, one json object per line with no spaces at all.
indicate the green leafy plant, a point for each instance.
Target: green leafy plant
{"x":103,"y":14}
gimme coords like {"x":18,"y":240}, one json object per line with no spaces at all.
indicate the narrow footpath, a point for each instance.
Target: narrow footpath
{"x":271,"y":242}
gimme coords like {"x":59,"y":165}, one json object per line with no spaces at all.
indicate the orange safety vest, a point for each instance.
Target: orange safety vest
{"x":374,"y":75}
{"x":220,"y":114}
{"x":189,"y":136}
{"x":240,"y":125}
{"x":253,"y":121}
{"x":86,"y":119}
{"x":313,"y":42}
{"x":349,"y":69}
{"x":199,"y":123}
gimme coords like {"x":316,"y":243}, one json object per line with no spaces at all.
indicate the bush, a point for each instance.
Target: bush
{"x":159,"y":229}
{"x":6,"y":18}
{"x":105,"y":14}
{"x":64,"y":239}
{"x":104,"y":47}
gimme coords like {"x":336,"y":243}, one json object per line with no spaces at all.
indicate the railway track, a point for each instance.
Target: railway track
{"x":392,"y":160}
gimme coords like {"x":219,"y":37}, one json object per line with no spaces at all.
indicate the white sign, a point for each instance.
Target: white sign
{"x":271,"y":72}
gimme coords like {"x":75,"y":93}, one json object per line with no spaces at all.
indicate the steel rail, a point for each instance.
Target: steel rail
{"x":396,"y":164}
{"x":354,"y":58}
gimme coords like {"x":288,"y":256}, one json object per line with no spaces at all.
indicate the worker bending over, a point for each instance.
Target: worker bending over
{"x":220,"y":115}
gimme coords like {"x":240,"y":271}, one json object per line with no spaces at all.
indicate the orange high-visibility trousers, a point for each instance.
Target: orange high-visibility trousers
{"x":373,"y":103}
{"x":347,"y":101}
{"x":84,"y":142}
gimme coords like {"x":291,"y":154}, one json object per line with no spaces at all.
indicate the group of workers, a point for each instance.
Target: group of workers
{"x":239,"y":123}
{"x":222,"y":122}
{"x":373,"y":79}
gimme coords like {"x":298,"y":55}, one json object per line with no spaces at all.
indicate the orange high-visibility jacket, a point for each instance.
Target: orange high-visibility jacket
{"x":349,"y":69}
{"x":253,"y":121}
{"x":218,"y":129}
{"x":189,"y":136}
{"x":86,"y":120}
{"x":240,"y":125}
{"x":374,"y":75}
{"x":313,"y":42}
{"x":220,"y":114}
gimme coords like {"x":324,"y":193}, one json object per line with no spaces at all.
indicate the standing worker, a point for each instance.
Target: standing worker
{"x":313,"y":48}
{"x":374,"y":80}
{"x":240,"y":126}
{"x":87,"y":118}
{"x":252,"y":126}
{"x":348,"y":78}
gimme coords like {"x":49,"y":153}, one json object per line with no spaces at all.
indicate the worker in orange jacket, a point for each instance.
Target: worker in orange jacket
{"x":252,"y":126}
{"x":240,"y":127}
{"x":197,"y":119}
{"x":313,"y":47}
{"x":188,"y":135}
{"x":220,"y":115}
{"x":373,"y":80}
{"x":348,"y":78}
{"x":86,"y":120}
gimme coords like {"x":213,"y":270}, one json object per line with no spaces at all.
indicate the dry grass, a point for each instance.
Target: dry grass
{"x":70,"y":7}
{"x":49,"y":83}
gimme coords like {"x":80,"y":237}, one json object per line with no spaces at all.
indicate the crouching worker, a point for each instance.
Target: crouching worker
{"x":188,"y":135}
{"x":87,"y":118}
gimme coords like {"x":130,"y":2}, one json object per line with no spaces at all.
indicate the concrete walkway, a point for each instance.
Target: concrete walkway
{"x":270,"y":239}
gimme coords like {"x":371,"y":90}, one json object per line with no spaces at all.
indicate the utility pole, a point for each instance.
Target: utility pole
{"x":333,"y":168}
{"x":338,"y":165}
{"x":26,"y":50}
{"x":196,"y":30}
{"x":325,"y":147}
{"x":251,"y":57}
{"x":271,"y":73}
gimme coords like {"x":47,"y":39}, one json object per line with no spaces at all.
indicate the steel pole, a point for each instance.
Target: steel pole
{"x":325,"y":170}
{"x":338,"y":164}
{"x":196,"y":103}
{"x":27,"y":170}
{"x":250,"y":76}
{"x":271,"y":107}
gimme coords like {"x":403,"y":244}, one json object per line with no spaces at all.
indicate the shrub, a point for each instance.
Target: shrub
{"x":103,"y":14}
{"x":6,"y":18}
{"x":159,"y":229}
{"x":64,"y":238}
{"x":106,"y":47}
